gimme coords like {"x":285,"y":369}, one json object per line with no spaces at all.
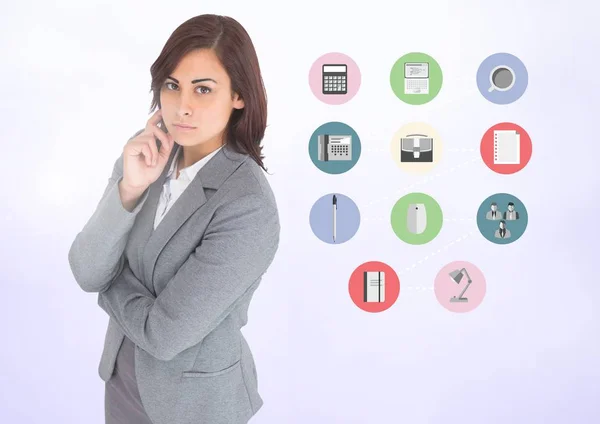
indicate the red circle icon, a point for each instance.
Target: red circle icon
{"x":506,"y":148}
{"x":374,"y":286}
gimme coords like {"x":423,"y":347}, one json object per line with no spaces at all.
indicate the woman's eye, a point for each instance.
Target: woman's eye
{"x":203,"y":89}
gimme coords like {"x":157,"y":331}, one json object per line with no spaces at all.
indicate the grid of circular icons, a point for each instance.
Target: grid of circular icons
{"x":416,"y":218}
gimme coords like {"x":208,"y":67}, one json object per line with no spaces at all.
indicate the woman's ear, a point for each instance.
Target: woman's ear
{"x":238,"y":102}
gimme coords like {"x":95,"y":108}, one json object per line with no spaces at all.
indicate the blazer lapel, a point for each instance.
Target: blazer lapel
{"x":211,"y":175}
{"x":145,"y":218}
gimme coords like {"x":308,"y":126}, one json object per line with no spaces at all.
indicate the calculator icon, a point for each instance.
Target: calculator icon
{"x":334,"y":147}
{"x":335,"y":79}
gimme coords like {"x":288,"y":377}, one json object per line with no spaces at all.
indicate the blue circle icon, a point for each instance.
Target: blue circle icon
{"x":334,"y":147}
{"x":334,"y":218}
{"x":502,"y":218}
{"x":502,"y":78}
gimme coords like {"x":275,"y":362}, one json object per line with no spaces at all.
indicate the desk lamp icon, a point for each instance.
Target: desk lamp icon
{"x":457,"y":276}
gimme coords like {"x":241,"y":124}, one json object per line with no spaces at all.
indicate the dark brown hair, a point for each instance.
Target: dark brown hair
{"x":233,"y":46}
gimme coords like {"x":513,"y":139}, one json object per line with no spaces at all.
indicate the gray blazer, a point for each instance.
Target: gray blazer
{"x":181,"y":292}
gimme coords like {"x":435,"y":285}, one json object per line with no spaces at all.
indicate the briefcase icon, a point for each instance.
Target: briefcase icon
{"x":416,"y":148}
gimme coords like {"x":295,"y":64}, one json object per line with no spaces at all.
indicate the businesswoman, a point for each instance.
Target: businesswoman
{"x":182,"y":235}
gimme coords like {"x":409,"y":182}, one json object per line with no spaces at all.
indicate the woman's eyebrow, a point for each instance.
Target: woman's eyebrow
{"x":194,"y":81}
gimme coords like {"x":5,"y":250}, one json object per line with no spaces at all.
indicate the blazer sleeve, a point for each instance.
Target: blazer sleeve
{"x":96,"y":254}
{"x":236,"y":249}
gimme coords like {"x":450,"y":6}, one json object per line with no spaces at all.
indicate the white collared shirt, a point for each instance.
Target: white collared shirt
{"x":172,"y":187}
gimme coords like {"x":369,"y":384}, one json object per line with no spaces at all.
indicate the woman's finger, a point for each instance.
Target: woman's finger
{"x":154,"y":149}
{"x":161,"y":135}
{"x":147,"y":154}
{"x":154,"y":119}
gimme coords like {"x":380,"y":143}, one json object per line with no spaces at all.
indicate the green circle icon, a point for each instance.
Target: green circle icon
{"x":417,"y":218}
{"x":416,"y":78}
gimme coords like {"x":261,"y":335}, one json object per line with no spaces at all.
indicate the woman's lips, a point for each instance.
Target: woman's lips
{"x":184,"y":129}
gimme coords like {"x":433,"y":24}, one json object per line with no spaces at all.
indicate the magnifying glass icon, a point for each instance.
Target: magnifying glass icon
{"x":502,"y":78}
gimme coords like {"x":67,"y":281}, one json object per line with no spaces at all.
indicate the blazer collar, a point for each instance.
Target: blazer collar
{"x":189,"y":172}
{"x":211,"y":176}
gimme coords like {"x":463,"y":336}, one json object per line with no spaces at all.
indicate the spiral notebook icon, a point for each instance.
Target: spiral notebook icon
{"x":507,"y":147}
{"x":374,"y":286}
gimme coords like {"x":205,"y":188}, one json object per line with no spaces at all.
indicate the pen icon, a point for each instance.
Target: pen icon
{"x":334,"y":215}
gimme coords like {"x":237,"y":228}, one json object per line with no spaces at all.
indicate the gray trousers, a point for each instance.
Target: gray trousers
{"x":122,"y":403}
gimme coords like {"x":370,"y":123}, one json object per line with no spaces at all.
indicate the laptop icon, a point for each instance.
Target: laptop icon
{"x":416,"y":78}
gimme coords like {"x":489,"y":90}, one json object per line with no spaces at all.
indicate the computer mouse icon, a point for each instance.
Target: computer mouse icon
{"x":416,"y":219}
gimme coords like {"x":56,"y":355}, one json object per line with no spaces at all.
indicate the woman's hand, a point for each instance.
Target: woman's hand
{"x":143,"y":163}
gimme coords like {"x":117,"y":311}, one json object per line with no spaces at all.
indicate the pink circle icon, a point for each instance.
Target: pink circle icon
{"x":460,"y":286}
{"x":334,"y":78}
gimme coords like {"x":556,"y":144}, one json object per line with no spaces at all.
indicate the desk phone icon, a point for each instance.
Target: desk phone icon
{"x":334,"y":147}
{"x":335,"y":79}
{"x":416,"y":78}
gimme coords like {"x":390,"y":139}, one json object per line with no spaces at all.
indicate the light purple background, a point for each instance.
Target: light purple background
{"x":75,"y":81}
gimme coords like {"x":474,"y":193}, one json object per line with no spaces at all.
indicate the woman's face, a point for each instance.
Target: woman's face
{"x":198,"y":93}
